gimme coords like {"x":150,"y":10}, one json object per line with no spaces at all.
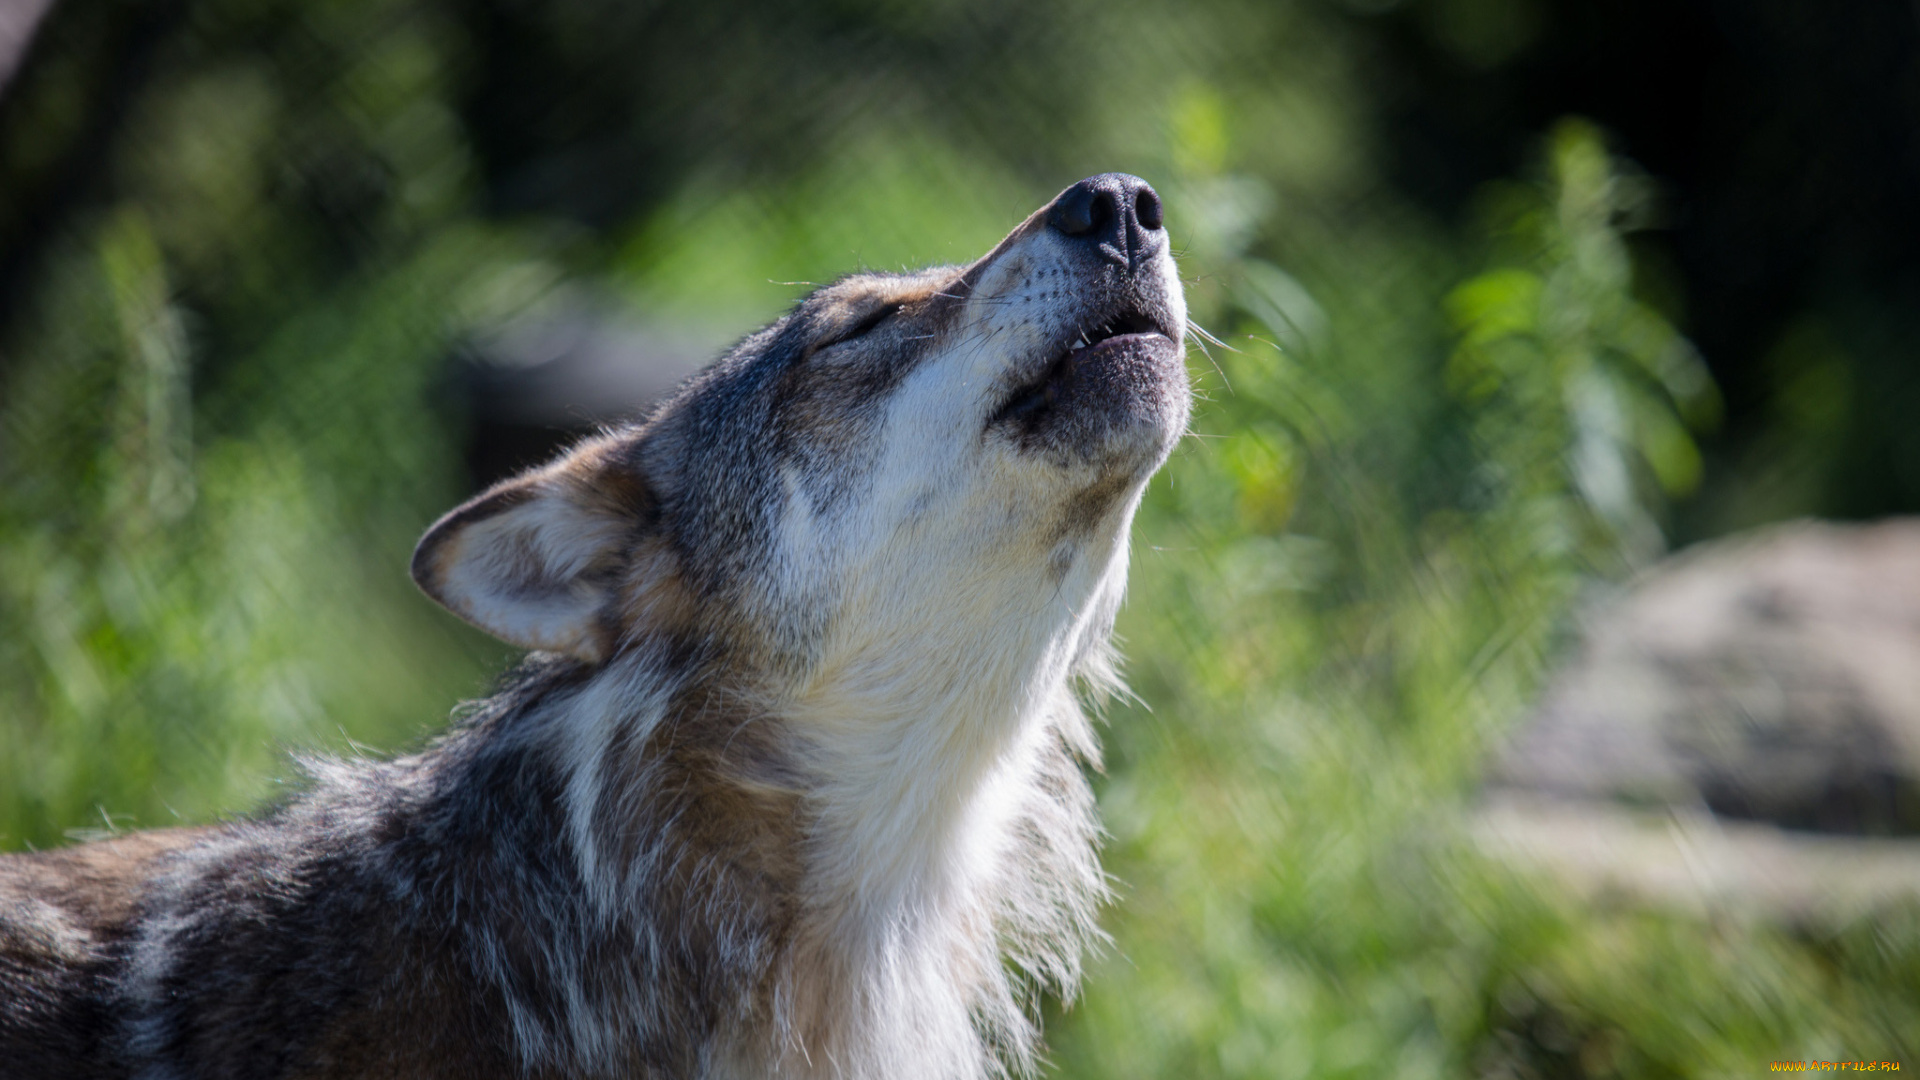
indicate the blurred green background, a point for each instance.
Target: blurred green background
{"x":1513,"y":296}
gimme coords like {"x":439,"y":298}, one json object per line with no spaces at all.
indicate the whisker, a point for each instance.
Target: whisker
{"x":1206,"y":335}
{"x":1203,"y":336}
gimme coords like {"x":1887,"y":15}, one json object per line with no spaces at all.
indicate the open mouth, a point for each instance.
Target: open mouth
{"x":1034,"y":400}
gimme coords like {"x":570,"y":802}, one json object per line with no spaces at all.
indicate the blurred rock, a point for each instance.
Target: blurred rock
{"x":1741,"y":708}
{"x":18,"y":21}
{"x":537,"y":385}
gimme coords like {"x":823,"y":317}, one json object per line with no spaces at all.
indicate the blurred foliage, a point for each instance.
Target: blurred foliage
{"x":1357,"y":573}
{"x":241,"y":239}
{"x":1786,"y":140}
{"x":1592,"y":377}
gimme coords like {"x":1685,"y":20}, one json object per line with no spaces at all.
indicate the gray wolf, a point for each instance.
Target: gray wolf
{"x":789,"y":787}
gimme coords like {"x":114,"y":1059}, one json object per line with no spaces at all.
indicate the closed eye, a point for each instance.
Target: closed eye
{"x":868,"y":322}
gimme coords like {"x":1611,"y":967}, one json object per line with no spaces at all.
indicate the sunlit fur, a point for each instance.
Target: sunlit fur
{"x":793,"y":790}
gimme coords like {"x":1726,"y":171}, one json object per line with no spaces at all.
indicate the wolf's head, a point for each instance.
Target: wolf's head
{"x":942,"y":463}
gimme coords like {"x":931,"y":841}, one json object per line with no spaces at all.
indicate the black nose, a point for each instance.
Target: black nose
{"x":1117,"y":213}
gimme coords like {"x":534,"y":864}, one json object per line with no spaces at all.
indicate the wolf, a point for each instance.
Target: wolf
{"x":791,"y":784}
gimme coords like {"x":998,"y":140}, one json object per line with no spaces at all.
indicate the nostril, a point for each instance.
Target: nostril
{"x":1114,"y":211}
{"x":1084,"y":208}
{"x":1146,"y":208}
{"x":1102,"y":211}
{"x":1072,"y":212}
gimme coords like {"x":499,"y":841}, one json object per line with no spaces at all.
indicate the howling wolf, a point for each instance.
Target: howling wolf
{"x":790,"y":785}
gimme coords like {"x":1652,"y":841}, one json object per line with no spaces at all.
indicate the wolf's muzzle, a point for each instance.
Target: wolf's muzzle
{"x":1118,"y":215}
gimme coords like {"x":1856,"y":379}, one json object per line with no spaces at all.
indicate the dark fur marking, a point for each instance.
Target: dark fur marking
{"x":1060,"y":563}
{"x":1082,"y":513}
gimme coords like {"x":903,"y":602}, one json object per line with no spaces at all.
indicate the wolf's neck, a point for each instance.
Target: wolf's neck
{"x":923,"y":761}
{"x":942,"y":816}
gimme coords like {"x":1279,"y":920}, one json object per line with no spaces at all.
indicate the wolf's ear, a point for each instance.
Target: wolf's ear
{"x":536,"y":560}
